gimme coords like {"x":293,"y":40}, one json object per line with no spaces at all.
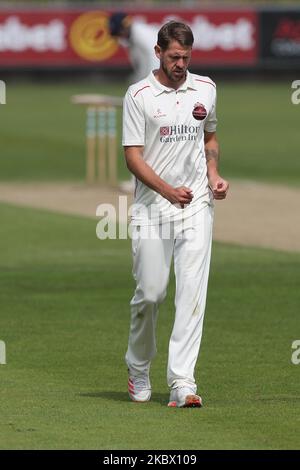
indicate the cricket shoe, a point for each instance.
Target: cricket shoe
{"x":184,"y":397}
{"x":139,"y":387}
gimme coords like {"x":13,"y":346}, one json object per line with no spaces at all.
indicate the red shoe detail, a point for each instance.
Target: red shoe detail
{"x":172,"y":404}
{"x":192,"y":401}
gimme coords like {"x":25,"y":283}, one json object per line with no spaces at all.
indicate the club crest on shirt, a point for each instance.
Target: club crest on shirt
{"x":199,"y":111}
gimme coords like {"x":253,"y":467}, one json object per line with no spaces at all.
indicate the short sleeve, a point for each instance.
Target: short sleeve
{"x":211,"y":121}
{"x":133,"y":121}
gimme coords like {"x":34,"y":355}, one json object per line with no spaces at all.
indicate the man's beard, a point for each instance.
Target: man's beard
{"x":170,"y":74}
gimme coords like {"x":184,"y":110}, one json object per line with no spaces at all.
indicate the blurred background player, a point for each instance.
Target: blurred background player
{"x":139,"y":38}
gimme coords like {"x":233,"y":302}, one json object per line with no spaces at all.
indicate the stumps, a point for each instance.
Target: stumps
{"x":101,"y":137}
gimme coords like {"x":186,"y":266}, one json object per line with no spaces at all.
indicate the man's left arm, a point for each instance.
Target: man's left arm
{"x":217,"y":184}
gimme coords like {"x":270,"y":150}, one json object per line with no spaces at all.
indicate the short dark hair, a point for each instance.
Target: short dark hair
{"x":175,"y":31}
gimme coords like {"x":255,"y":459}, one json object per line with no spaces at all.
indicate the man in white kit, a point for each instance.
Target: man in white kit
{"x":170,"y":144}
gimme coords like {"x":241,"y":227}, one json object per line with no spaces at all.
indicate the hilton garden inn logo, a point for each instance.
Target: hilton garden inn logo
{"x":179,"y":133}
{"x":2,"y":92}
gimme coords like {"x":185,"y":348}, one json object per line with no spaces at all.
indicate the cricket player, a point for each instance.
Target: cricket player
{"x":171,"y":147}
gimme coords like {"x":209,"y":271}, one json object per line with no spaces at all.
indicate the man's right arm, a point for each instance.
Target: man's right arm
{"x":143,"y":172}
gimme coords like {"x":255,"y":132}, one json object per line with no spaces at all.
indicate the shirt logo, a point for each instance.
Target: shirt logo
{"x":178,"y":133}
{"x":165,"y":130}
{"x":159,"y":113}
{"x":199,"y":111}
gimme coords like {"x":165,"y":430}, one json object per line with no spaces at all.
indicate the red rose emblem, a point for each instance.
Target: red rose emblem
{"x":199,"y":112}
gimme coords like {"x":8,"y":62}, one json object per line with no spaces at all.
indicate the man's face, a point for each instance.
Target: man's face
{"x":174,"y":61}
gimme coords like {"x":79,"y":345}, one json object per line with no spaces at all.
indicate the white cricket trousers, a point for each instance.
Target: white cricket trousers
{"x":153,"y":248}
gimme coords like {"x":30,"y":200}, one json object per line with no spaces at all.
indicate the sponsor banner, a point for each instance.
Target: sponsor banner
{"x":280,"y":35}
{"x":81,"y":38}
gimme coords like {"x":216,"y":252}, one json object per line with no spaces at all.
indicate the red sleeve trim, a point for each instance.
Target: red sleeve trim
{"x":204,"y":81}
{"x":147,"y":86}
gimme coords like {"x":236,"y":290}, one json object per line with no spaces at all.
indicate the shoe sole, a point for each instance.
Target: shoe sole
{"x":139,"y":401}
{"x":191,"y":401}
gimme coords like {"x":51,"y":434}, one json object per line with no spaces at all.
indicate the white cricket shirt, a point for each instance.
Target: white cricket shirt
{"x":161,"y":120}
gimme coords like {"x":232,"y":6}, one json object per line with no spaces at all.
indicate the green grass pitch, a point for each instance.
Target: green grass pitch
{"x":64,"y":296}
{"x":43,"y":134}
{"x":65,"y":319}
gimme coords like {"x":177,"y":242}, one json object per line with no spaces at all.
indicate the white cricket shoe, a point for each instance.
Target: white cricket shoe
{"x":139,"y":387}
{"x":184,"y":397}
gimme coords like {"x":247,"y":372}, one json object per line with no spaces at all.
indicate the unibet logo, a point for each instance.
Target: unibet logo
{"x":16,"y":36}
{"x":90,"y":38}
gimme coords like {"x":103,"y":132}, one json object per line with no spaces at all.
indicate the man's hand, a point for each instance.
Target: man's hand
{"x":144,"y":173}
{"x":219,"y":186}
{"x":181,"y":195}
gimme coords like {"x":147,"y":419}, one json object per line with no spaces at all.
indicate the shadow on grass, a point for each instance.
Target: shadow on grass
{"x":161,"y":398}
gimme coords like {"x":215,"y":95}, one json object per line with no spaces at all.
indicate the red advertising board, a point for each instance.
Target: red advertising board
{"x":66,"y":38}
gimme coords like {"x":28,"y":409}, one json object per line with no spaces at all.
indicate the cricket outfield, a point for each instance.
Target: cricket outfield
{"x":65,"y":294}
